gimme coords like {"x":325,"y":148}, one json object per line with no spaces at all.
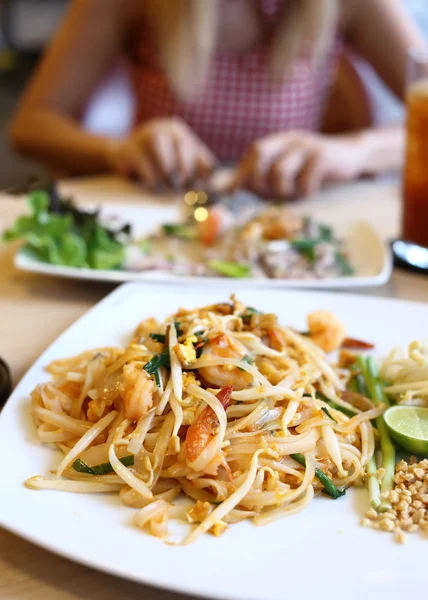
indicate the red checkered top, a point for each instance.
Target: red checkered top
{"x":241,"y":102}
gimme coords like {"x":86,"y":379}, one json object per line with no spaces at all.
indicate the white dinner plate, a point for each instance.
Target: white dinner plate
{"x":368,"y":254}
{"x":322,"y":552}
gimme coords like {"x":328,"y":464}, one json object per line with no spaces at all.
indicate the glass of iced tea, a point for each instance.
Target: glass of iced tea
{"x":415,"y":181}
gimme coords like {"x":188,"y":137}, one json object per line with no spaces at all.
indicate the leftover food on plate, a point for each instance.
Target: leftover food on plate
{"x":235,"y":238}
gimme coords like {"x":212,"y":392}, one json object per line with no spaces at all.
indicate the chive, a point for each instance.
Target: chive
{"x":329,"y":488}
{"x":159,"y":360}
{"x":177,"y":328}
{"x":199,"y":333}
{"x":248,"y":359}
{"x":374,"y":384}
{"x":346,"y":411}
{"x":157,"y":378}
{"x":158,"y":337}
{"x":357,"y":382}
{"x":200,"y":348}
{"x":246,"y":316}
{"x":326,"y":411}
{"x":102,"y":469}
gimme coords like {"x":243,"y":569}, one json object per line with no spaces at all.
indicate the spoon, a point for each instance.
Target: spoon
{"x":410,"y":255}
{"x":5,"y":383}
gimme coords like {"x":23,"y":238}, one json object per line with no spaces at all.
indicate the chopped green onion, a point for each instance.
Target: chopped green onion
{"x":246,"y":316}
{"x":346,"y":411}
{"x":159,"y":360}
{"x":251,"y":309}
{"x":329,"y":488}
{"x":177,"y":328}
{"x":326,"y":411}
{"x":102,"y":469}
{"x":374,"y":385}
{"x":158,"y":337}
{"x":373,"y":483}
{"x":248,"y":359}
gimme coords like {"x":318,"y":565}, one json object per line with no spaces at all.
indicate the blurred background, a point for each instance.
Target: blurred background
{"x":26,"y":27}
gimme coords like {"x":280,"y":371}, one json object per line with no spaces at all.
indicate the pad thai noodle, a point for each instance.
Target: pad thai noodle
{"x":213,"y":416}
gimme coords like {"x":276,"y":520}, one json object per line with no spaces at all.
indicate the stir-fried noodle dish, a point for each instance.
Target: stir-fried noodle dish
{"x":213,"y":416}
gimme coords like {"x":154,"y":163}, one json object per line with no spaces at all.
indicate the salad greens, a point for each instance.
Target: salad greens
{"x":59,"y":233}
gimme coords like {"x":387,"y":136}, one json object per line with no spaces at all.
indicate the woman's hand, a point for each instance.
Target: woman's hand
{"x":163,"y":153}
{"x":298,"y":163}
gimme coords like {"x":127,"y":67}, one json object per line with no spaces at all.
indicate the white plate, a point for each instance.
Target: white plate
{"x":320,"y":552}
{"x":370,"y":256}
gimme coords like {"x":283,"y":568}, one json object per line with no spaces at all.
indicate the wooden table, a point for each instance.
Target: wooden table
{"x":34,"y":310}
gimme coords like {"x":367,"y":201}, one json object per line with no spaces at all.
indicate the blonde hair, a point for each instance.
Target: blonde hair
{"x":185,"y":33}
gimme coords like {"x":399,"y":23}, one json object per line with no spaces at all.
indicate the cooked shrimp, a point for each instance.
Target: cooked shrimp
{"x":221,"y":375}
{"x":138,"y":392}
{"x":325,"y":330}
{"x":201,"y":432}
{"x":142,"y":334}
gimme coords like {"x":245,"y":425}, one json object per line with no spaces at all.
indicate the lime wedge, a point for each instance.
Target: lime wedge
{"x":408,"y":425}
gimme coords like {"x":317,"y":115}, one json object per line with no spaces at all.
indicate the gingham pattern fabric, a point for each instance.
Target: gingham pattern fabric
{"x":241,"y":102}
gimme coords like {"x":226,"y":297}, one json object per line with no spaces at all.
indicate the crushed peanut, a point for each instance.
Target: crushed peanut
{"x":409,"y":500}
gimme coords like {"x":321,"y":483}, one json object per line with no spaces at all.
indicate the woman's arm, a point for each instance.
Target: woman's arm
{"x":382,"y":32}
{"x":46,"y":124}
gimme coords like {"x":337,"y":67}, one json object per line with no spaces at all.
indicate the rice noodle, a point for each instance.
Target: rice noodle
{"x":228,"y":504}
{"x":126,"y":475}
{"x":49,"y":436}
{"x":143,"y":426}
{"x":289,"y":413}
{"x":84,"y":487}
{"x":261,"y":392}
{"x":64,"y":422}
{"x":165,"y":398}
{"x":229,"y":452}
{"x":218,"y":362}
{"x":176,"y":371}
{"x":85,"y":441}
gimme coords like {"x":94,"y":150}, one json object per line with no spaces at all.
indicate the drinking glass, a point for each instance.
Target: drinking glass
{"x":415,"y":179}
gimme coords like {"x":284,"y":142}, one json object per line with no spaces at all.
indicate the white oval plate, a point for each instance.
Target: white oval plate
{"x":322,"y":552}
{"x":369,"y":255}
